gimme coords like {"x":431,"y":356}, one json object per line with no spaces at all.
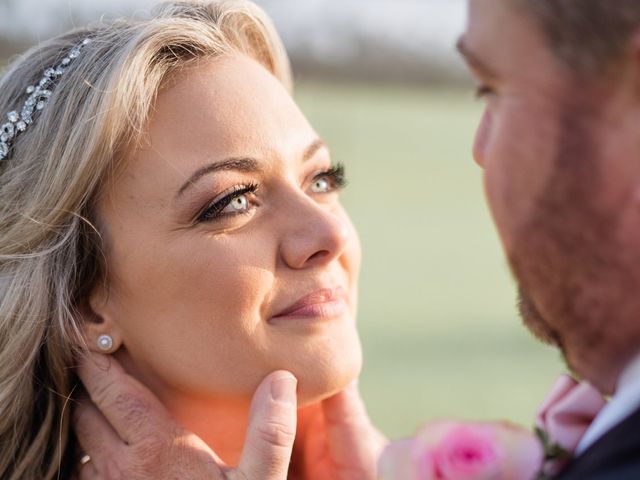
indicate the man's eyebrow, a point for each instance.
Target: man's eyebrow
{"x":241,"y":164}
{"x":474,"y":60}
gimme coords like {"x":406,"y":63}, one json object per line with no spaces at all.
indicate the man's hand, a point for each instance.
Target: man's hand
{"x":340,"y":442}
{"x":128,"y":434}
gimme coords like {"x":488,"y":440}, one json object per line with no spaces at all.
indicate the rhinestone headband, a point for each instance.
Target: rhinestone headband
{"x":39,"y":95}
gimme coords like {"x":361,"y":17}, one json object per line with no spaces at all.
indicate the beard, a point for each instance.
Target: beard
{"x":577,"y":288}
{"x":535,"y":321}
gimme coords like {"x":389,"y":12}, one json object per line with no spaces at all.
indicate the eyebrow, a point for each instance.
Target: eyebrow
{"x":315,"y":146}
{"x":473,"y":59}
{"x":243,"y":164}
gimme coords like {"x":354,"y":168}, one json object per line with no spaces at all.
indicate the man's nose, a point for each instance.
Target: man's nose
{"x":316,"y":234}
{"x":482,"y":139}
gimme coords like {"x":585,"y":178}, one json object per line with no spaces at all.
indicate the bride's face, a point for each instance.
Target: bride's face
{"x":229,"y":253}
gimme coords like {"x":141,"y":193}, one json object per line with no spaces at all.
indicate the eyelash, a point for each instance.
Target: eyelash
{"x":483,"y":91}
{"x":213,"y":211}
{"x":337,"y":176}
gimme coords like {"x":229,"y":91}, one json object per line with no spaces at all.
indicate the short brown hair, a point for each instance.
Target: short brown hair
{"x":587,"y":35}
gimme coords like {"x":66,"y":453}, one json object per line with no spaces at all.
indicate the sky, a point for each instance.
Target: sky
{"x":437,"y":20}
{"x":327,"y":31}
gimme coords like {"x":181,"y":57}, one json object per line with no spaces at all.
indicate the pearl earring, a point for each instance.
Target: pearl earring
{"x":105,"y":342}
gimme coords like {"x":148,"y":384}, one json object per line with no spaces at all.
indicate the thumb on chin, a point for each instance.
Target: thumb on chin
{"x":272,"y":429}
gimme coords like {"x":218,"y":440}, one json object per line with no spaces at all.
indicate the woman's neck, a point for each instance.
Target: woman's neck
{"x":220,"y":423}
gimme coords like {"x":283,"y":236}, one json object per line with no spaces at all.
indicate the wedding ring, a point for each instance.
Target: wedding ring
{"x":85,"y":459}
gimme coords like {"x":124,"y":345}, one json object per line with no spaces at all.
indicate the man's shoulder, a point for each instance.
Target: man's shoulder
{"x":615,"y":456}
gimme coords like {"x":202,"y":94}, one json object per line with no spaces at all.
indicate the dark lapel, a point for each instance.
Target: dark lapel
{"x":615,"y":456}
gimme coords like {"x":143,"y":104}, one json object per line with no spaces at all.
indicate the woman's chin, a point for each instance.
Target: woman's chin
{"x":324,"y":378}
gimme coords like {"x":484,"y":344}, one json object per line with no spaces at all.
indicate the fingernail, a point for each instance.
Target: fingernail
{"x":283,"y":389}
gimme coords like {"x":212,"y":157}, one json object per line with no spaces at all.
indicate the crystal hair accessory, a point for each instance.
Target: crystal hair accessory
{"x":39,"y":95}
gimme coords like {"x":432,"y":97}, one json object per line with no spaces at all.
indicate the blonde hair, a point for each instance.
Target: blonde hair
{"x":50,"y":249}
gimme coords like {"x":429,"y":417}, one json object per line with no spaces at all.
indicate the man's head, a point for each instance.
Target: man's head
{"x":560,"y":145}
{"x":587,"y":35}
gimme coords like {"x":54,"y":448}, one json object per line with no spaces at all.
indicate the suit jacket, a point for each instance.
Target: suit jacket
{"x":615,"y":456}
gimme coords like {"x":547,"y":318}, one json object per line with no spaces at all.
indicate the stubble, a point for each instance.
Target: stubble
{"x":575,"y":282}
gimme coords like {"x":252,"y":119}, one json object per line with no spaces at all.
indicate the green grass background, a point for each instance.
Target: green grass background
{"x":440,"y":331}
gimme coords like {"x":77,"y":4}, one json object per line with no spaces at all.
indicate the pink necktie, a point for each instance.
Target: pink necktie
{"x":567,"y":412}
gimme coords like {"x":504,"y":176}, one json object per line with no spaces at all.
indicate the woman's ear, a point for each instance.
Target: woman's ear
{"x":101,"y":332}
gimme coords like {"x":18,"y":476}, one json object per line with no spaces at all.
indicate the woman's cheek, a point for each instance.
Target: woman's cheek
{"x":351,"y":260}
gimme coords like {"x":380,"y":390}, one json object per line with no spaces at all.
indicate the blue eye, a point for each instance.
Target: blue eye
{"x":321,"y":185}
{"x":330,"y":180}
{"x":237,"y":202}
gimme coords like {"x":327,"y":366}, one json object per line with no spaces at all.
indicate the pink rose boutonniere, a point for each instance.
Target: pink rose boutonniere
{"x":450,"y":450}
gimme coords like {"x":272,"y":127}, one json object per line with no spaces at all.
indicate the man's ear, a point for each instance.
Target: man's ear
{"x":98,"y":322}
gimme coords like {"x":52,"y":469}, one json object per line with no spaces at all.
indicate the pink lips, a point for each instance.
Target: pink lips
{"x":325,"y":303}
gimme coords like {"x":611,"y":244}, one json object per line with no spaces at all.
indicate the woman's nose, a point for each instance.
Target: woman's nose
{"x":316,"y":234}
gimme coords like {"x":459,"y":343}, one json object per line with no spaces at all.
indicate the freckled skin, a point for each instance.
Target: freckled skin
{"x":189,"y":303}
{"x":559,"y":153}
